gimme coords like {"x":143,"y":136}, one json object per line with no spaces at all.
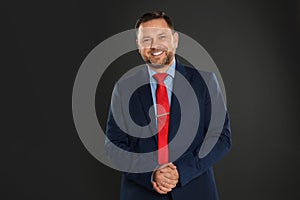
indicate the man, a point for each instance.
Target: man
{"x":158,"y":86}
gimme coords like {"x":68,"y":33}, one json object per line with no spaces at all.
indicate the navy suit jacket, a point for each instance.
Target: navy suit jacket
{"x":196,"y":174}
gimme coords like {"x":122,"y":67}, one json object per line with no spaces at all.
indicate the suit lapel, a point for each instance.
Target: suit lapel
{"x":179,"y":89}
{"x":145,"y":98}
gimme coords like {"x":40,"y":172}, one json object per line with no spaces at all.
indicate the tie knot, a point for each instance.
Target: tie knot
{"x":160,"y":77}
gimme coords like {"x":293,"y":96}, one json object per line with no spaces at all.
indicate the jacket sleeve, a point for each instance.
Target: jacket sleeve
{"x":191,"y":164}
{"x":119,"y":146}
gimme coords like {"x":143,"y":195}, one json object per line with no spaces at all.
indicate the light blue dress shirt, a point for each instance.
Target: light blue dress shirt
{"x":168,"y":82}
{"x":169,"y":85}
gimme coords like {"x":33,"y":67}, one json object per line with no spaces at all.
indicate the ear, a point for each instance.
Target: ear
{"x":176,"y":39}
{"x":137,"y":44}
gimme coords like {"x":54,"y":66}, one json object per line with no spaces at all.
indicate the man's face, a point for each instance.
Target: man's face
{"x":157,"y":43}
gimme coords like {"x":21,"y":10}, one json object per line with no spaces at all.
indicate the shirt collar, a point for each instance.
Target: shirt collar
{"x":170,"y":71}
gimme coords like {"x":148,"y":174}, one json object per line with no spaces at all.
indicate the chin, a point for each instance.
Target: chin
{"x":156,"y":66}
{"x":159,"y":63}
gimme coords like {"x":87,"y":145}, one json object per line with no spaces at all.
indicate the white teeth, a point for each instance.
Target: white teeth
{"x":157,"y":53}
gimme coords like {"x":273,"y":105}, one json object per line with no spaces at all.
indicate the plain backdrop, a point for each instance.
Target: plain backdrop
{"x":255,"y":45}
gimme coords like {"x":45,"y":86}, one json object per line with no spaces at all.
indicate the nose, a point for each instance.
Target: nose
{"x":155,"y":43}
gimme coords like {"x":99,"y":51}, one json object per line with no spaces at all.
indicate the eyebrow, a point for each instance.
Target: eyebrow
{"x":150,"y":36}
{"x":162,"y":34}
{"x":144,"y":37}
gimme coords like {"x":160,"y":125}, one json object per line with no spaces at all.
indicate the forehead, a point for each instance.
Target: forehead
{"x":159,"y":23}
{"x":154,"y":26}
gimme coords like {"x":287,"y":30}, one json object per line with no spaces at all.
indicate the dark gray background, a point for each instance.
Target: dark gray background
{"x":255,"y":44}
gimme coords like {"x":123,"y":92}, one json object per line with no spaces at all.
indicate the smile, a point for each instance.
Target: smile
{"x":157,"y":53}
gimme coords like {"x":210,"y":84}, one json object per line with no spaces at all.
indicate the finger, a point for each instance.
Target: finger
{"x":166,"y":180}
{"x":164,"y":166}
{"x":165,"y":173}
{"x":167,"y":185}
{"x":166,"y":177}
{"x":173,"y":175}
{"x":169,"y":176}
{"x":164,"y":188}
{"x":169,"y":169}
{"x":158,"y":189}
{"x":171,"y":165}
{"x":166,"y":170}
{"x":170,"y":183}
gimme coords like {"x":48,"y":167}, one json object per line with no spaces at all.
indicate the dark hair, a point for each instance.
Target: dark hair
{"x":154,"y":15}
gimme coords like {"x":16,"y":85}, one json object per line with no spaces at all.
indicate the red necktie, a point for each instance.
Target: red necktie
{"x":163,"y":116}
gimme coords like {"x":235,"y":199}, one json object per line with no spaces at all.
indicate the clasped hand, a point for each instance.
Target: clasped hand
{"x":165,"y":178}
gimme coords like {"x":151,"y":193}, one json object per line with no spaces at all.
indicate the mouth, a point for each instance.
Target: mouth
{"x":157,"y":52}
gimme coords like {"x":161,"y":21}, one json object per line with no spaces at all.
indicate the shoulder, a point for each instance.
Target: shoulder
{"x":197,"y":73}
{"x":132,"y":79}
{"x":197,"y":76}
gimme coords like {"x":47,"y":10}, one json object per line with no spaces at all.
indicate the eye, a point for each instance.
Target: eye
{"x":146,"y":40}
{"x":162,"y":37}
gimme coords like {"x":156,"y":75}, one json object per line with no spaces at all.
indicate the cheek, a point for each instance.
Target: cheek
{"x":169,"y":44}
{"x":144,"y":51}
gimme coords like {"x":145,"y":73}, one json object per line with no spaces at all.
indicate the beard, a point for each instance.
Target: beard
{"x":158,"y":62}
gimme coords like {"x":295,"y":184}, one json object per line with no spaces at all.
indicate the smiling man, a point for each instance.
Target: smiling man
{"x":175,"y":177}
{"x":157,"y":43}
